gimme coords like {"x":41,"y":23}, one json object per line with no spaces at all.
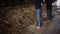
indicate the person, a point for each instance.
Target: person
{"x":49,"y":9}
{"x":39,"y":12}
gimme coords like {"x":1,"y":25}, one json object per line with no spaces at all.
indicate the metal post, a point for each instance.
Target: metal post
{"x":38,"y":13}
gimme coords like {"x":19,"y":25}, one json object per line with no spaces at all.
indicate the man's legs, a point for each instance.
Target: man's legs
{"x":49,"y":9}
{"x":38,"y":13}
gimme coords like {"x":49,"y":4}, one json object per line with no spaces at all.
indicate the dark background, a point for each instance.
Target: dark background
{"x":4,"y":3}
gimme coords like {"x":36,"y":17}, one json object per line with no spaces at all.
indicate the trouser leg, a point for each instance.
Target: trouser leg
{"x":49,"y":9}
{"x":38,"y":16}
{"x":38,"y":13}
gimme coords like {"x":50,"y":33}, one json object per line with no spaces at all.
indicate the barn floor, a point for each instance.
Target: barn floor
{"x":22,"y":20}
{"x":48,"y":27}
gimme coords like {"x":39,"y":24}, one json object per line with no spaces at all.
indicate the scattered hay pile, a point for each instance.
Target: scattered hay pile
{"x":15,"y":20}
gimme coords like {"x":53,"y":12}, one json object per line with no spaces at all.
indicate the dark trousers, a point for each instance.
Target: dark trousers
{"x":49,"y":9}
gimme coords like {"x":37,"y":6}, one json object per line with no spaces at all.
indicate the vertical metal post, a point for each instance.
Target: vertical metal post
{"x":38,"y":13}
